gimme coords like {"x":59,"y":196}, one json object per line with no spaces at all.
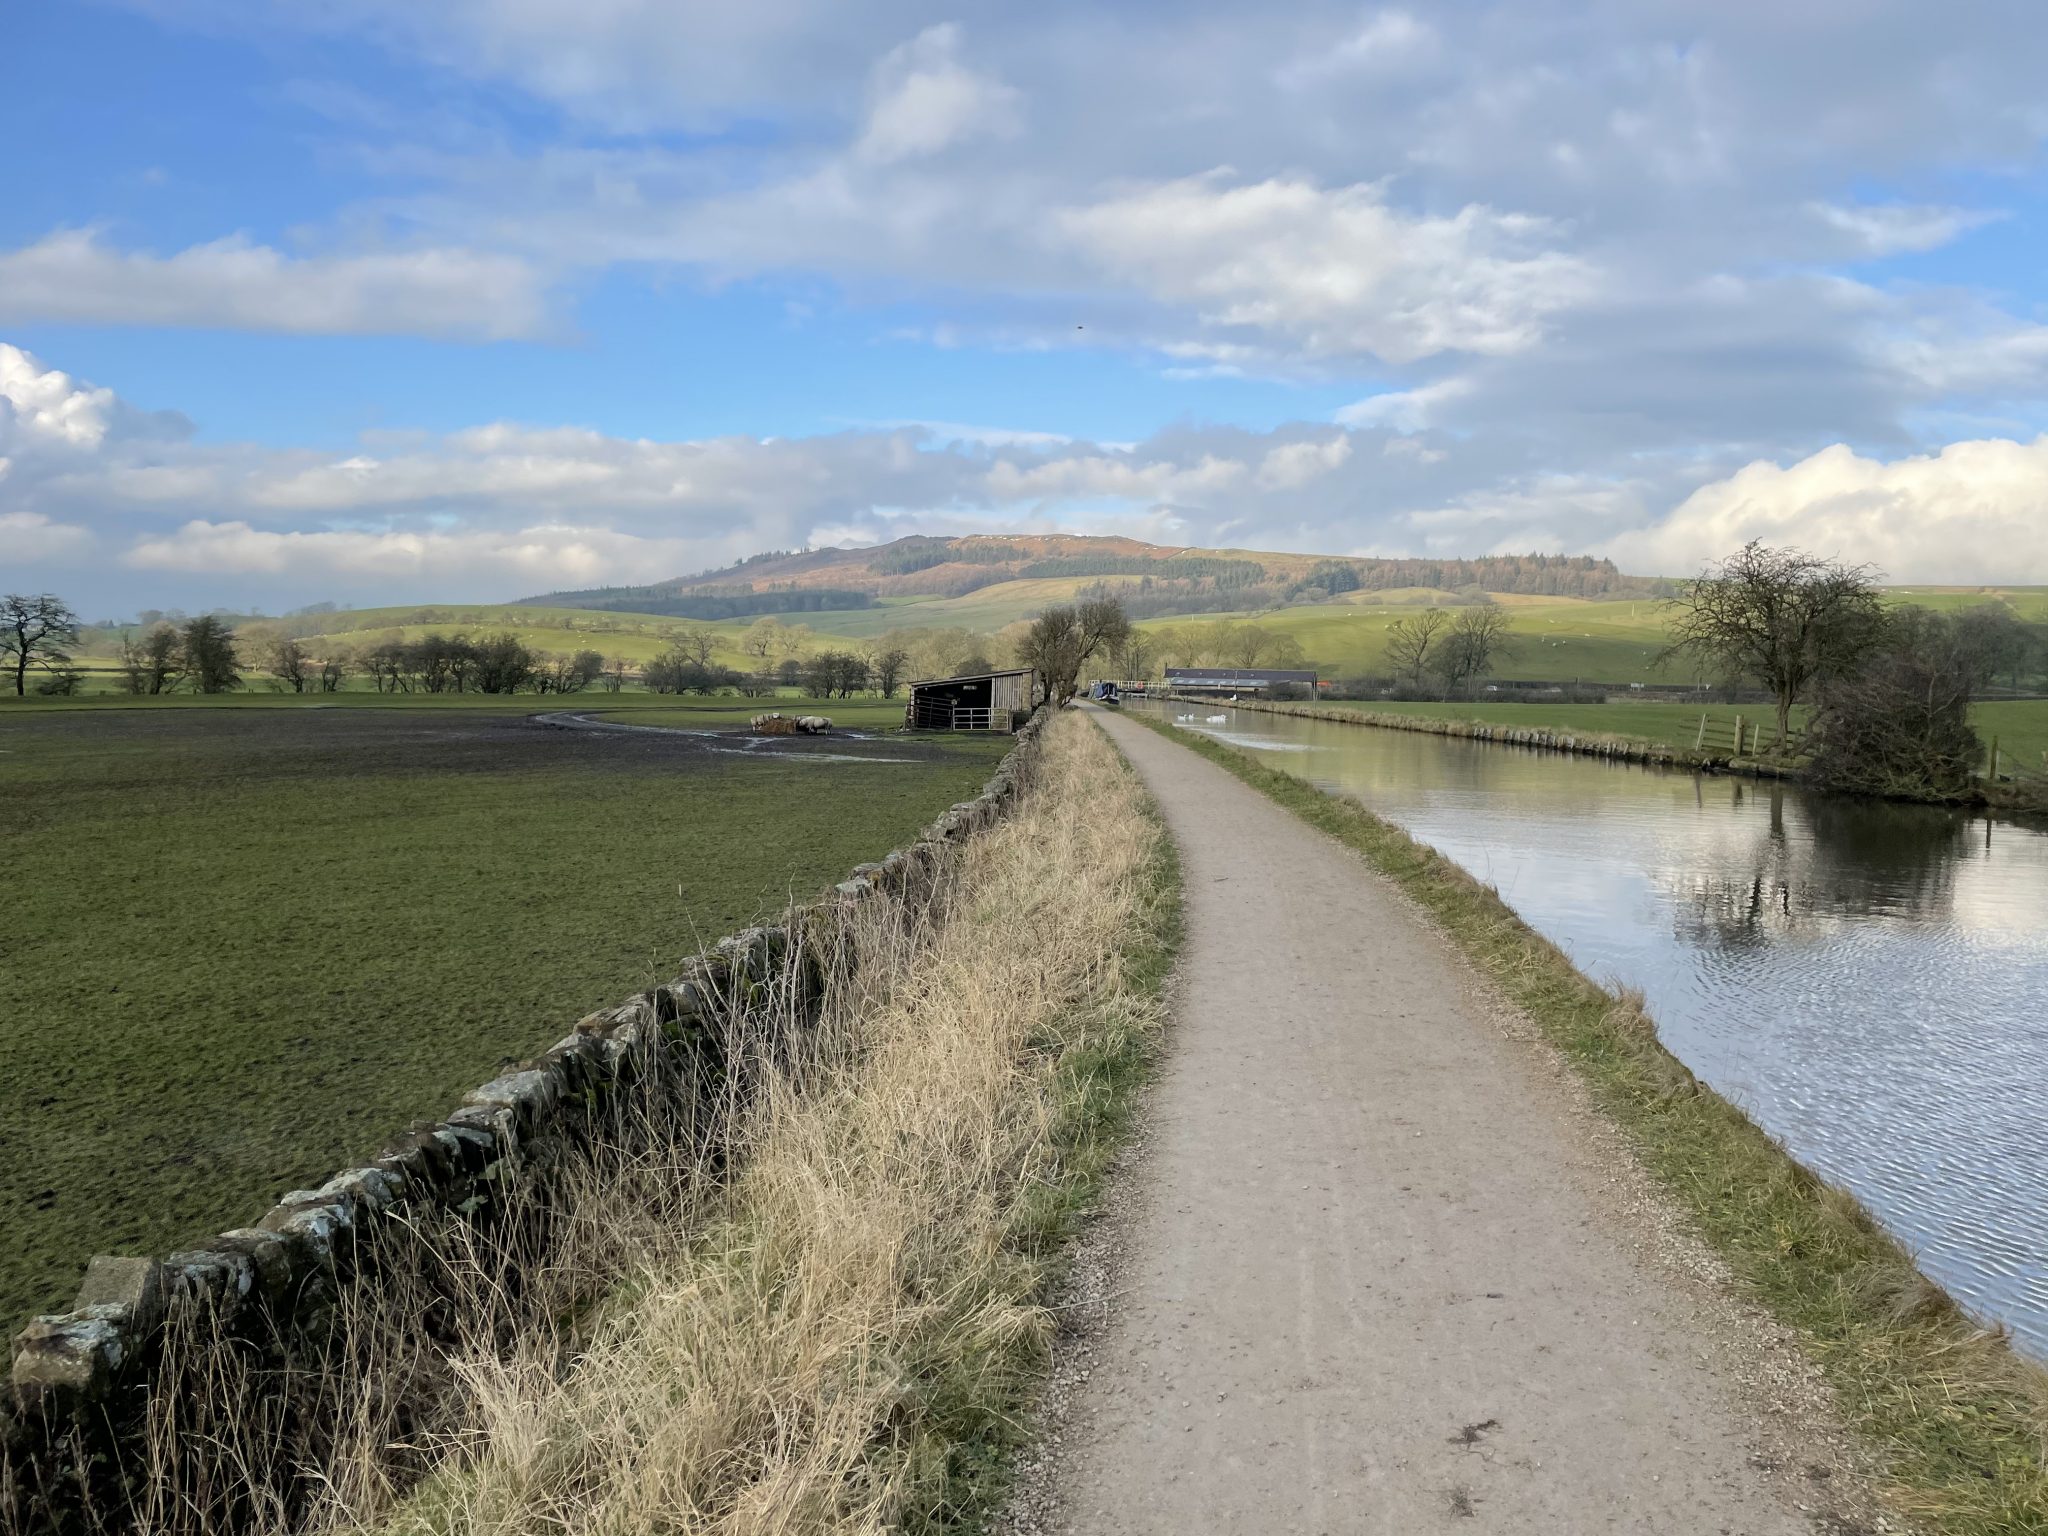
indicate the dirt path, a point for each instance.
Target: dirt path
{"x":1370,"y":1281}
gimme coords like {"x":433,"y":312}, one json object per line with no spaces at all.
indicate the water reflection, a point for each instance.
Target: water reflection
{"x":1866,"y":979}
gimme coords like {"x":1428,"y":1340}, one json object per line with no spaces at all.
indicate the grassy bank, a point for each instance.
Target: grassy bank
{"x":245,"y":944}
{"x":2021,"y":725}
{"x":847,"y":1334}
{"x":1956,"y":1418}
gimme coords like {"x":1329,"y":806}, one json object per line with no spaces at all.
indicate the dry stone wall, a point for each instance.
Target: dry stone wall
{"x":70,"y":1415}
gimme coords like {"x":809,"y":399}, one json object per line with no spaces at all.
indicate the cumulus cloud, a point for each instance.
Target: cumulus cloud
{"x":926,"y":99}
{"x":1333,"y":271}
{"x":49,"y":403}
{"x":73,"y":275}
{"x":1294,"y":465}
{"x":1974,"y":512}
{"x":29,"y":538}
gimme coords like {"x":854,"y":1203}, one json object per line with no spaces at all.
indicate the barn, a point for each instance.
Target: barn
{"x":986,"y":701}
{"x":1210,"y":681}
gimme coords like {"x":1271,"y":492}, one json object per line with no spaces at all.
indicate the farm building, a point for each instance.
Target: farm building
{"x":1226,"y":680}
{"x":987,"y":701}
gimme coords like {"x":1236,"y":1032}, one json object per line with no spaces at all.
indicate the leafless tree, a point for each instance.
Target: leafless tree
{"x":1477,"y":637}
{"x":887,"y":669}
{"x":35,"y":628}
{"x":150,"y":663}
{"x":335,"y":668}
{"x":1789,"y":620}
{"x":1061,"y":640}
{"x":503,"y":664}
{"x":1131,"y":657}
{"x":1411,"y":642}
{"x":698,"y":643}
{"x":1898,"y":723}
{"x":287,"y":661}
{"x":615,"y":674}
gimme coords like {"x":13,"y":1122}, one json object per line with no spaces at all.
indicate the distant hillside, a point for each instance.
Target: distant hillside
{"x":1171,"y":580}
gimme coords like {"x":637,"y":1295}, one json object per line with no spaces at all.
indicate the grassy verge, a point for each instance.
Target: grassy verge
{"x":849,"y":1335}
{"x":2020,"y":725}
{"x":246,"y":946}
{"x":1961,"y":1424}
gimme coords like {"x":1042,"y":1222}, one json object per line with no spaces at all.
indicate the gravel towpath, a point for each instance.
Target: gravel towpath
{"x":1367,"y":1283}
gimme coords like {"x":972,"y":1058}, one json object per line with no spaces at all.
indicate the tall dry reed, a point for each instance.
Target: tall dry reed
{"x":832,"y":1332}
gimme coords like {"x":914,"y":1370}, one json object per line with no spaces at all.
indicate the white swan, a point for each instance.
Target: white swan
{"x":1219,"y":719}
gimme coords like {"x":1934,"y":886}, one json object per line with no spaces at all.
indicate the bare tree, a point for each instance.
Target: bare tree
{"x":34,"y":631}
{"x":1131,"y":657}
{"x":207,"y":651}
{"x":287,"y":661}
{"x":503,"y":664}
{"x":335,"y":668}
{"x":1411,"y":641}
{"x":699,"y":643}
{"x":1899,"y":722}
{"x":151,"y":662}
{"x":1785,"y":618}
{"x":1061,"y":640}
{"x":1477,"y":636}
{"x":763,"y":638}
{"x":888,"y":668}
{"x":1998,"y":639}
{"x":615,"y":674}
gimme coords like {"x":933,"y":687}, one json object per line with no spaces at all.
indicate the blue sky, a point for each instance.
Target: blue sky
{"x":377,"y":301}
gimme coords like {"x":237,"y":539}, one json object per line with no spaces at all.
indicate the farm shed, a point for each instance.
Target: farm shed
{"x":1207,"y":680}
{"x":987,"y":701}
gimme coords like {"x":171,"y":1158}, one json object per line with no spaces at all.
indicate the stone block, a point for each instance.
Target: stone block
{"x":63,"y":1362}
{"x":134,"y":1285}
{"x":218,"y":1278}
{"x":268,"y":1257}
{"x":530,"y":1096}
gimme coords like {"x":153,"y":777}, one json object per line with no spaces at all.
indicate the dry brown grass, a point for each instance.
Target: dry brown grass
{"x":857,"y":1314}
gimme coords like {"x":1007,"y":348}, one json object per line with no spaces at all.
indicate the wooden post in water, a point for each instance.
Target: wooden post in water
{"x":1991,"y":762}
{"x":1701,"y":739}
{"x":1738,"y":735}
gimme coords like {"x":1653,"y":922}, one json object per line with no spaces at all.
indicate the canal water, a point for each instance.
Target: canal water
{"x":1869,"y":981}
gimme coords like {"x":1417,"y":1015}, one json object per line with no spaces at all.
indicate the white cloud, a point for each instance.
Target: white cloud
{"x":1125,"y":477}
{"x":30,"y":538}
{"x":1333,"y":272}
{"x":541,"y":556}
{"x":1975,"y":511}
{"x":1389,"y":40}
{"x":1886,"y":229}
{"x":71,"y":275}
{"x":1294,"y":465}
{"x":926,"y":100}
{"x":49,"y":403}
{"x":1405,"y":410}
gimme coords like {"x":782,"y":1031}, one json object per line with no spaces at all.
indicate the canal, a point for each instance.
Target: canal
{"x":1868,"y":980}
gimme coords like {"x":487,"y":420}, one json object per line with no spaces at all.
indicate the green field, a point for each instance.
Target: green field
{"x":2021,"y":726}
{"x":1553,"y":639}
{"x":250,"y":939}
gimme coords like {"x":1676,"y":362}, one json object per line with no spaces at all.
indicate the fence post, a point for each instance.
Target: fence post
{"x":1701,"y":739}
{"x":1991,"y":762}
{"x":1738,"y":735}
